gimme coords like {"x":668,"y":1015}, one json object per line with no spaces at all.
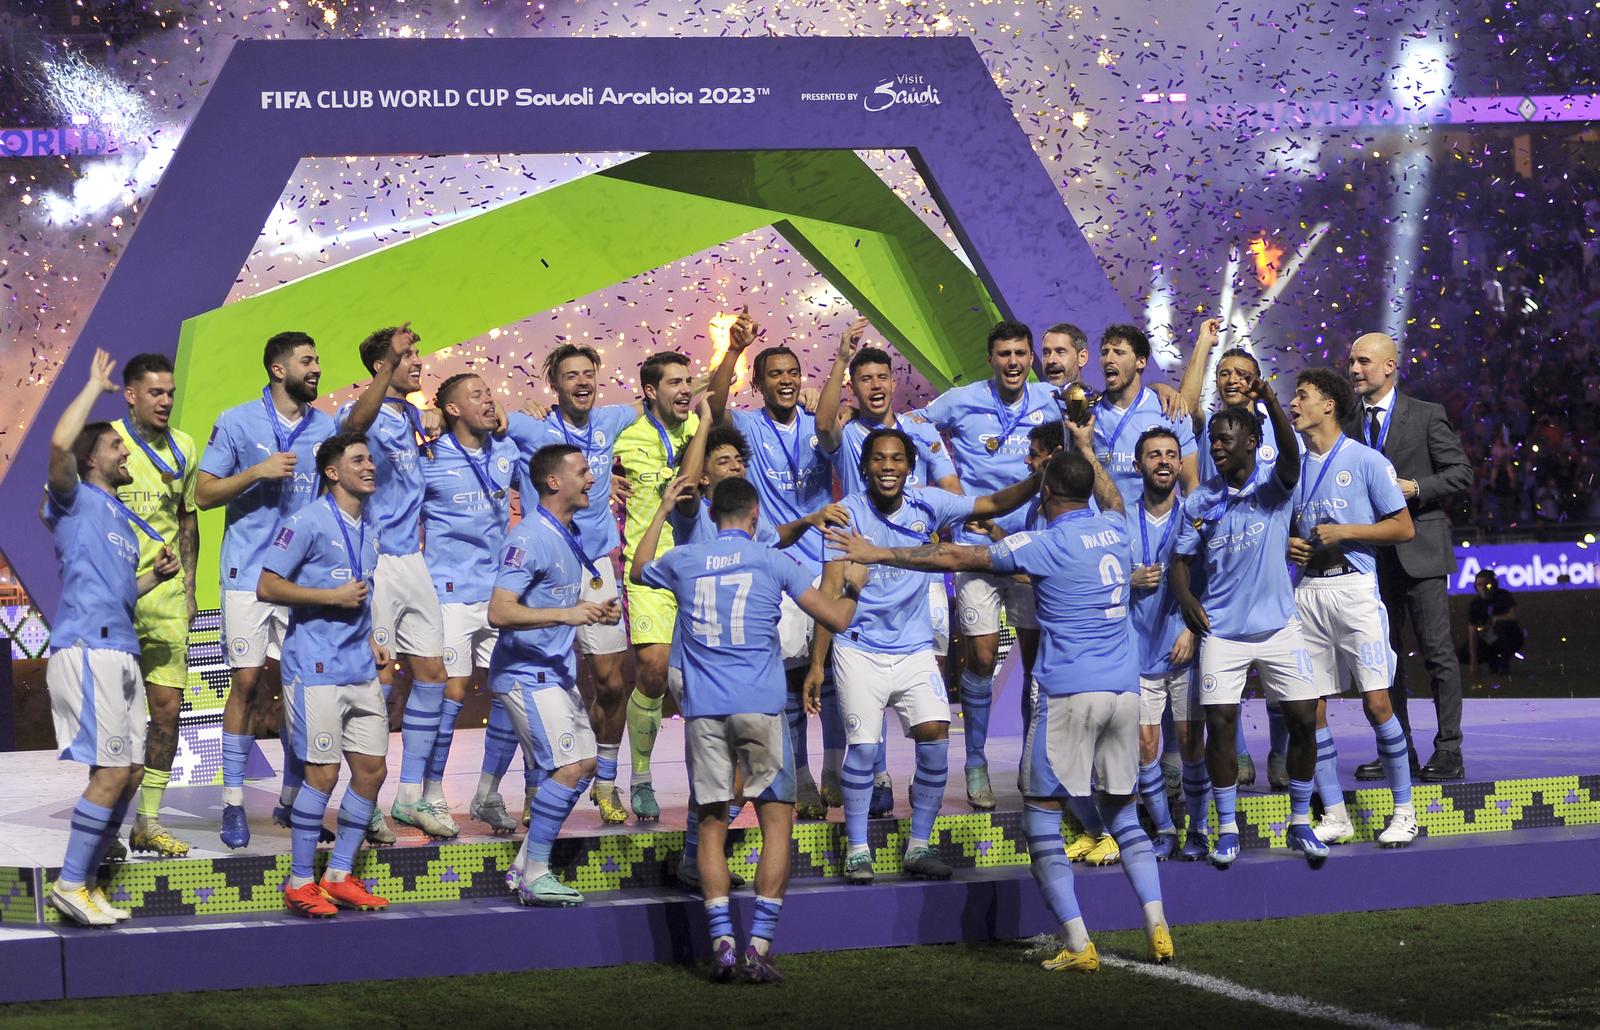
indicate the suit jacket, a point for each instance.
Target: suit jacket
{"x":1423,"y":446}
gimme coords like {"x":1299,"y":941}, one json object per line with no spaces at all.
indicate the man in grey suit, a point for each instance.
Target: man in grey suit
{"x":1427,"y":455}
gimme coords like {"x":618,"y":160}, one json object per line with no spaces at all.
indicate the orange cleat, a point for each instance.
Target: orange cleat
{"x":352,"y":893}
{"x":308,"y":901}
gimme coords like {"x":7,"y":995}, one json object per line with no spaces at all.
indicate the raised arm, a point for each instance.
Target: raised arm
{"x":1194,"y":376}
{"x":694,"y":459}
{"x":740,"y":336}
{"x":828,"y":434}
{"x":62,"y":476}
{"x":365,"y":410}
{"x":1106,"y":494}
{"x":645,"y":553}
{"x":1286,"y":467}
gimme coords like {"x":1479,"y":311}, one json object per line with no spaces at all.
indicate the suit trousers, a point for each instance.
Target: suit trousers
{"x":1425,"y":603}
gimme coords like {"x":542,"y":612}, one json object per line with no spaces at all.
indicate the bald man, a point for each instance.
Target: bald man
{"x":1431,"y":465}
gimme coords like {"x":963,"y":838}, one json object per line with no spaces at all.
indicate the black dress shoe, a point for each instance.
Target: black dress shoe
{"x":1442,"y":767}
{"x":1372,"y":770}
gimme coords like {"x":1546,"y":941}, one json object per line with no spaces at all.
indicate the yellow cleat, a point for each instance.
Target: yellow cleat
{"x":1069,"y":961}
{"x":1105,"y":852}
{"x":1161,"y":944}
{"x":155,"y":837}
{"x":609,"y":802}
{"x":1080,"y":847}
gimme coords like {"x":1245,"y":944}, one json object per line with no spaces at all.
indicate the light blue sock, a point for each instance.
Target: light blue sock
{"x":1197,"y":795}
{"x":305,"y":827}
{"x":734,"y":808}
{"x":1300,"y":800}
{"x":605,"y":766}
{"x":1088,"y":816}
{"x":794,"y":711}
{"x":499,"y":740}
{"x":1326,"y":776}
{"x":1239,"y":746}
{"x":90,"y":825}
{"x":1396,"y":758}
{"x":444,"y":736}
{"x":719,"y":920}
{"x":927,"y":786}
{"x":856,"y":782}
{"x":977,"y":694}
{"x":119,"y":812}
{"x":764,"y":925}
{"x":355,"y":812}
{"x":235,"y":756}
{"x":1138,"y":860}
{"x":1153,"y":792}
{"x":691,"y":835}
{"x":1227,"y":799}
{"x":418,"y":728}
{"x":1047,"y":859}
{"x":1277,"y":730}
{"x":551,"y":806}
{"x":294,"y":775}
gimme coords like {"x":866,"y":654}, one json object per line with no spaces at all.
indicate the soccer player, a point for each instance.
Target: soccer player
{"x":649,"y":452}
{"x":1087,"y":722}
{"x":1239,"y":522}
{"x":537,"y":605}
{"x":318,"y":566}
{"x":161,"y":461}
{"x":572,"y":371}
{"x":1348,"y":501}
{"x":96,"y":691}
{"x":885,"y":659}
{"x":1127,"y":409}
{"x":729,"y":590}
{"x":793,"y":477}
{"x":405,"y":608}
{"x":466,"y":509}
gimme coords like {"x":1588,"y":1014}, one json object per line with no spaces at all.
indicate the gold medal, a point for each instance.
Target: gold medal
{"x":933,"y":537}
{"x":666,"y":473}
{"x":992,"y":444}
{"x":168,"y":477}
{"x":499,"y":495}
{"x":595,"y":583}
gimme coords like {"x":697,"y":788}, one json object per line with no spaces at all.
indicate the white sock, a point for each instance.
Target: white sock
{"x":488,"y":785}
{"x":333,"y":875}
{"x":287,"y":794}
{"x":408,"y":794}
{"x":296,"y":882}
{"x":1404,"y":809}
{"x":1335,"y":813}
{"x":859,"y":849}
{"x":433,"y":790}
{"x":1154,"y":916}
{"x":883,"y":779}
{"x":1228,"y":827}
{"x":67,"y":886}
{"x":233,"y":795}
{"x":1076,"y":933}
{"x":761,"y":944}
{"x":533,"y":870}
{"x":914,"y":843}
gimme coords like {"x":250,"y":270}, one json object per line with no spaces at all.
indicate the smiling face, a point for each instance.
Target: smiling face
{"x":472,"y":401}
{"x":354,"y":471}
{"x":407,"y":375}
{"x":577,"y":383}
{"x":723,"y":462}
{"x":150,"y":399}
{"x":301,"y":372}
{"x":1063,"y":361}
{"x":1232,"y":448}
{"x":571,"y":481}
{"x":779,"y":384}
{"x":108,"y":461}
{"x":670,"y":398}
{"x":1120,"y":365}
{"x":1158,"y":464}
{"x":1234,"y":376}
{"x":873,"y":385}
{"x":887,"y":466}
{"x":1010,"y":361}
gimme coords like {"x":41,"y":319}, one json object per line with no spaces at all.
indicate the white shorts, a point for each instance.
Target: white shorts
{"x":601,"y":638}
{"x":252,"y":629}
{"x":757,"y":744}
{"x":939,"y":614}
{"x":1346,"y":628}
{"x":325,"y":720}
{"x":1180,"y":687}
{"x":978,"y":599}
{"x":795,"y":629}
{"x":1281,"y":659}
{"x":552,"y":725}
{"x":1076,"y":740}
{"x":405,"y":608}
{"x":869,"y":683}
{"x":97,"y":705}
{"x":468,"y":638}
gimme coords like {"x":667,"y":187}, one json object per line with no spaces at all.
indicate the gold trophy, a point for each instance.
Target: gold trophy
{"x":1075,"y":401}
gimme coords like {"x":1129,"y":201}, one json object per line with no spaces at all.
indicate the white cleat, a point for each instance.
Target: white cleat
{"x":1335,"y":831}
{"x":1401,"y":831}
{"x":78,"y":906}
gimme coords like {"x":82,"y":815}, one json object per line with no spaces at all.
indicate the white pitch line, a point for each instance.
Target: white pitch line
{"x":1292,"y":1004}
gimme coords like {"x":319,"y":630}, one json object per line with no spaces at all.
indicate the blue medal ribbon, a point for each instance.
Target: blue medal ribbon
{"x":1383,"y":427}
{"x":484,"y":479}
{"x":933,"y":526}
{"x":1305,"y":462}
{"x":1219,"y":511}
{"x":167,"y":471}
{"x":595,"y":579}
{"x":1077,"y":513}
{"x":1111,"y":443}
{"x":1173,"y":518}
{"x":585,"y":443}
{"x":416,"y":423}
{"x":793,"y":460}
{"x":1000,"y":409}
{"x":350,"y":551}
{"x":144,"y":527}
{"x":731,"y":534}
{"x":283,"y":442}
{"x":661,"y":431}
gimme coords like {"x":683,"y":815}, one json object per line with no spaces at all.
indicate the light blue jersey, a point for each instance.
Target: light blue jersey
{"x":1266,"y":450}
{"x":1350,"y":485}
{"x":397,"y":451}
{"x":933,"y":458}
{"x":1117,"y":431}
{"x":699,"y":528}
{"x":314,"y":548}
{"x":538,"y":565}
{"x":597,"y":526}
{"x":97,"y":549}
{"x":1080,"y":566}
{"x":892,"y":614}
{"x":780,"y":458}
{"x":1157,"y":621}
{"x":242,"y":437}
{"x":971,"y":416}
{"x":729,"y":592}
{"x":466,"y":507}
{"x":1242,"y":539}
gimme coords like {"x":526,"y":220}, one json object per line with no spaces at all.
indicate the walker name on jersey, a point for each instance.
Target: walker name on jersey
{"x":1104,"y":538}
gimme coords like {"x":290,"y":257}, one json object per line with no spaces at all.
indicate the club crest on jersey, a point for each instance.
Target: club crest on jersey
{"x":1036,"y":418}
{"x":504,"y":464}
{"x":1343,"y":478}
{"x":324,"y":742}
{"x":1267,"y":452}
{"x":853,"y":723}
{"x":1208,"y":684}
{"x":281,"y":541}
{"x":514,"y":557}
{"x":116,"y":745}
{"x":567,"y":741}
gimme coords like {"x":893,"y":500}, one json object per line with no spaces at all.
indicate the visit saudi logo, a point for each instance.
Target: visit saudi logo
{"x":900,"y":91}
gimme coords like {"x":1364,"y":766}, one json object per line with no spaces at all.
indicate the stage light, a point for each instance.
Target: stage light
{"x":718,"y":330}
{"x":1080,"y":119}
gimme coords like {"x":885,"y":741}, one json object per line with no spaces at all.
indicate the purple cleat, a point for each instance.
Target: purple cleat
{"x":724,"y":961}
{"x":758,"y":968}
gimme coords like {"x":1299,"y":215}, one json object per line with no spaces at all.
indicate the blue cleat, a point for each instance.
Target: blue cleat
{"x":235,"y":827}
{"x":1164,"y":845}
{"x":1226,"y":851}
{"x":1196,"y":847}
{"x":1304,"y":840}
{"x":882,"y":802}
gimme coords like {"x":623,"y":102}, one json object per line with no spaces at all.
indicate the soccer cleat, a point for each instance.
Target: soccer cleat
{"x":1246,"y":770}
{"x":421,"y":815}
{"x":1104,"y":852}
{"x":608,"y":799}
{"x":642,"y":799}
{"x":724,"y":960}
{"x":491,"y":810}
{"x":1335,"y":831}
{"x":352,"y":893}
{"x":1303,"y":840}
{"x":235,"y":831}
{"x":832,"y":792}
{"x":688,"y":874}
{"x":1277,"y":771}
{"x":1196,"y":847}
{"x":98,"y":897}
{"x":1069,"y":961}
{"x":1400,"y":832}
{"x":155,"y":837}
{"x":379,"y":833}
{"x":882,"y":802}
{"x":1160,"y":944}
{"x":979,"y":794}
{"x":1080,"y":846}
{"x":758,"y":968}
{"x":1164,"y":845}
{"x":858,"y":868}
{"x":808,"y":803}
{"x":116,"y":851}
{"x":548,"y":892}
{"x":1226,"y":851}
{"x":924,"y":864}
{"x":514,"y":878}
{"x":309,"y":901}
{"x":441,"y":810}
{"x":78,"y":906}
{"x":280,"y":817}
